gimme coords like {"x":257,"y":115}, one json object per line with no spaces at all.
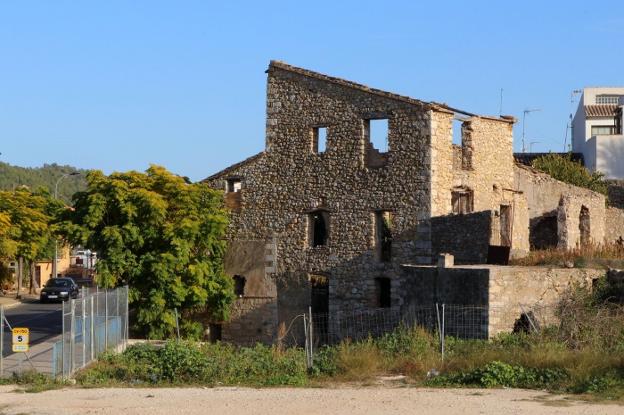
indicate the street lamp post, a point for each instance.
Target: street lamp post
{"x":55,"y":263}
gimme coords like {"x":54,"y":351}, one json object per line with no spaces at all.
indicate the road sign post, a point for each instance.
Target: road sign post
{"x":20,"y":339}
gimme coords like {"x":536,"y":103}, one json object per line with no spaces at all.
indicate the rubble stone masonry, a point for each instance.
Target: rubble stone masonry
{"x":283,"y":193}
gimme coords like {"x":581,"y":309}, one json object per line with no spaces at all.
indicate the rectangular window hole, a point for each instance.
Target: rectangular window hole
{"x":320,"y":140}
{"x":234,"y":185}
{"x":383,"y":288}
{"x":378,"y":134}
{"x":457,"y":131}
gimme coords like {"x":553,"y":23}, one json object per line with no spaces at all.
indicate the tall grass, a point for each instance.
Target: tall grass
{"x":590,"y":256}
{"x":582,"y":353}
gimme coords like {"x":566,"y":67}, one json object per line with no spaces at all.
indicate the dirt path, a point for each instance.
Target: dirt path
{"x":242,"y":401}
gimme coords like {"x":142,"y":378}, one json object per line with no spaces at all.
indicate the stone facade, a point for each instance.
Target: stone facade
{"x":339,"y":221}
{"x":352,"y":185}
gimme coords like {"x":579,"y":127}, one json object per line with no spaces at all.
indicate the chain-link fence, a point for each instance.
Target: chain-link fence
{"x":478,"y":322}
{"x":91,"y":325}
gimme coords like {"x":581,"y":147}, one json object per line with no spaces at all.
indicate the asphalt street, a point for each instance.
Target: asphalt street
{"x":43,"y":320}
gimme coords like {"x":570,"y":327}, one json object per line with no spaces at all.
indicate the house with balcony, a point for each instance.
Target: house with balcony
{"x":597,"y":130}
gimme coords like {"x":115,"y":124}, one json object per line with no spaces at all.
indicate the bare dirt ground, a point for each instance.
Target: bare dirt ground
{"x":243,"y":401}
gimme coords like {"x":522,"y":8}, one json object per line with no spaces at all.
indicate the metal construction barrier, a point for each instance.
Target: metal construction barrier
{"x":91,"y":325}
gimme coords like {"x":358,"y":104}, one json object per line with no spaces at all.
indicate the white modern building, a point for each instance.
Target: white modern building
{"x":597,"y":130}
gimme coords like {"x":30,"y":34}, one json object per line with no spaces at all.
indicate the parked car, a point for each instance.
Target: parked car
{"x":59,"y":289}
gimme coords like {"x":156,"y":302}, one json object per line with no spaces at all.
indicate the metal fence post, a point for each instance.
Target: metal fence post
{"x":106,"y":320}
{"x":443,"y":332}
{"x":1,"y":341}
{"x":84,"y":333}
{"x":311,"y":342}
{"x":63,"y":340}
{"x":127,"y":318}
{"x":72,"y":335}
{"x":92,"y":327}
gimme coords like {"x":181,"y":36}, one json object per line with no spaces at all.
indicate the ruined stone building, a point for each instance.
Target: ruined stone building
{"x":325,"y":218}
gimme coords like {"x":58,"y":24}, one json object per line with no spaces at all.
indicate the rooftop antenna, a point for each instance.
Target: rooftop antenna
{"x":524,"y":114}
{"x":573,"y":95}
{"x":500,"y":107}
{"x":531,"y":145}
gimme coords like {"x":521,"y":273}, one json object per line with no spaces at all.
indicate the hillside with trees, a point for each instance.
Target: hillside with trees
{"x":12,"y":177}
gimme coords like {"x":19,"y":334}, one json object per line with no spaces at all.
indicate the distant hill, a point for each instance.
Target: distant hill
{"x":46,"y":176}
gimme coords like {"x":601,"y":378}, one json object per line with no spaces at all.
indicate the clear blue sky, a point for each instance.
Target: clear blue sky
{"x":117,"y":85}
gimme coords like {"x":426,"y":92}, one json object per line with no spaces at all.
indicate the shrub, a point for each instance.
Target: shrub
{"x":188,"y":362}
{"x":497,"y":373}
{"x":567,"y":170}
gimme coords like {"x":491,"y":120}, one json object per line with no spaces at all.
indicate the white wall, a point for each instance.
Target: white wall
{"x":602,"y":153}
{"x":609,"y":155}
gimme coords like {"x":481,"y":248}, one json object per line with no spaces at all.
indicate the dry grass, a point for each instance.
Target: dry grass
{"x":591,"y":256}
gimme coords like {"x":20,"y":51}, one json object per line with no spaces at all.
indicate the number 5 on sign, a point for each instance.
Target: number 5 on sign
{"x":20,"y":339}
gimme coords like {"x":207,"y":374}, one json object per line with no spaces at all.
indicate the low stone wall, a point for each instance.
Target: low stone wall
{"x":505,"y":293}
{"x":252,"y":320}
{"x":516,"y":290}
{"x":614,"y":225}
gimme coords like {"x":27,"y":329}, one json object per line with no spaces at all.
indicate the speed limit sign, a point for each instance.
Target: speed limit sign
{"x":20,"y":339}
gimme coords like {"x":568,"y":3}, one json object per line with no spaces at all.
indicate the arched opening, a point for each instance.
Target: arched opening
{"x":584,"y":226}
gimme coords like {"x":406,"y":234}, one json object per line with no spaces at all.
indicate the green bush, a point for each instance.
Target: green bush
{"x":496,"y":374}
{"x":573,"y":172}
{"x":188,"y":362}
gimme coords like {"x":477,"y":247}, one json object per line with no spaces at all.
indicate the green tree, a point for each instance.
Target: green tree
{"x":25,"y":224}
{"x":46,"y":176}
{"x":161,"y":236}
{"x":567,"y":170}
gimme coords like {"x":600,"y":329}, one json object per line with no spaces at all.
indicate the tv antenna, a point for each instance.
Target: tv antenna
{"x":524,"y":114}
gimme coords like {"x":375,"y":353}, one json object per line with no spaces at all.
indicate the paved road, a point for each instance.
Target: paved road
{"x":43,"y":320}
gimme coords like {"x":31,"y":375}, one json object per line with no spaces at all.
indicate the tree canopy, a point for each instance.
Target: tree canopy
{"x":160,"y":235}
{"x":25,"y":219}
{"x":13,"y":177}
{"x":573,"y":172}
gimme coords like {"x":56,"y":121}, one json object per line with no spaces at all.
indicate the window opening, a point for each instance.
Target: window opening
{"x":584,"y":226}
{"x":319,"y":144}
{"x":239,"y":285}
{"x":234,"y":185}
{"x":462,"y":201}
{"x":383,"y":235}
{"x":383,"y":288}
{"x":319,"y":228}
{"x":376,"y":131}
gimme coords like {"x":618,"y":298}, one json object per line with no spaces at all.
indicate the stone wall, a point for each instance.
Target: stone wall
{"x":252,"y":320}
{"x":466,"y":237}
{"x":569,"y":223}
{"x":536,"y":289}
{"x":503,"y":292}
{"x":544,"y":194}
{"x":614,"y":225}
{"x":291,"y":181}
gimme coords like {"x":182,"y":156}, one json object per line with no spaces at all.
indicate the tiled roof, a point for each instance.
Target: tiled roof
{"x":600,"y":110}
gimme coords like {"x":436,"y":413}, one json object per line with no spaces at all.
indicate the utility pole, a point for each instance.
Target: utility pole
{"x":55,"y":263}
{"x":524,"y":114}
